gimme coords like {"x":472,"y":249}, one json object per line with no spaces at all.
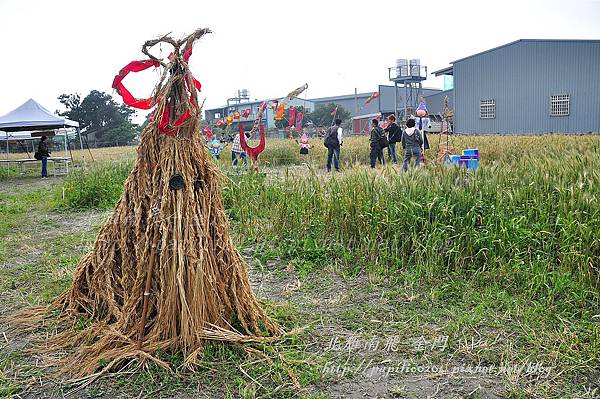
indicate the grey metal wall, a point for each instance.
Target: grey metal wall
{"x":435,"y":102}
{"x":383,"y":103}
{"x":521,"y":78}
{"x":349,"y":103}
{"x":386,"y":97}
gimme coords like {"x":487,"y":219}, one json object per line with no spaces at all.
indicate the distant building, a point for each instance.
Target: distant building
{"x":361,"y":113}
{"x":527,"y":86}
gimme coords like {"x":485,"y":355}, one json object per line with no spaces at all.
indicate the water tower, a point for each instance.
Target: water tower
{"x":407,"y":75}
{"x":241,"y":95}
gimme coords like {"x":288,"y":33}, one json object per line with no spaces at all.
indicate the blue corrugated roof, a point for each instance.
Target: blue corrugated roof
{"x":526,"y":40}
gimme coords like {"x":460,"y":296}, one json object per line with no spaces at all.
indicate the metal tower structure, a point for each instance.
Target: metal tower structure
{"x":409,"y":76}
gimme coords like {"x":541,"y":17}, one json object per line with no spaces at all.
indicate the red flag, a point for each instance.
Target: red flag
{"x":334,"y":111}
{"x":292,"y":116}
{"x":372,"y":97}
{"x":299,"y":117}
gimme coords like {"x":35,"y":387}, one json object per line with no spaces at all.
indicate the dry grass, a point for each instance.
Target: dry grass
{"x":163,"y":273}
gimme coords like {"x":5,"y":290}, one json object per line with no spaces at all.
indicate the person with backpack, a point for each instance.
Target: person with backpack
{"x":333,"y":141}
{"x":411,"y":143}
{"x":394,"y":135}
{"x":375,"y":141}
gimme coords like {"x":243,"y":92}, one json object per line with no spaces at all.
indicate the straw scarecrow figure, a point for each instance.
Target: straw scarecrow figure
{"x":163,"y":272}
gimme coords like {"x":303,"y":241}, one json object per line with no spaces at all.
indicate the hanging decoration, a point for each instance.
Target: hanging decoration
{"x":236,"y":115}
{"x":246,"y":113}
{"x":280,"y":109}
{"x":229,"y":120}
{"x":295,"y":93}
{"x":220,"y":123}
{"x":253,"y":152}
{"x":208,"y":132}
{"x":299,"y":117}
{"x":292,"y":118}
{"x":421,"y":110}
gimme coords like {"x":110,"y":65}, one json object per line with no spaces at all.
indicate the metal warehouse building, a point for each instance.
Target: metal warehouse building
{"x":527,"y":86}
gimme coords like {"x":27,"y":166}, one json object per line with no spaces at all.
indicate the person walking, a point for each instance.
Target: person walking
{"x":375,"y":143}
{"x":394,"y":135}
{"x":411,"y":143}
{"x":237,"y":151}
{"x":333,"y":141}
{"x":43,"y":153}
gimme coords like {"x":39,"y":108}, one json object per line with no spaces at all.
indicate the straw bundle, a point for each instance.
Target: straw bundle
{"x":163,"y":272}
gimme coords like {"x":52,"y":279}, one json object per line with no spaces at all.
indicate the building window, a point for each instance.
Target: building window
{"x":559,"y":105}
{"x":487,"y":109}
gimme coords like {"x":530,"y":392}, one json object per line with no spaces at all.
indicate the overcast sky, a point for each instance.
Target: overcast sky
{"x":268,"y":47}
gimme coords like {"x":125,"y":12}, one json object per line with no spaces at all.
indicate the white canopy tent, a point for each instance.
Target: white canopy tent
{"x":31,"y":116}
{"x":30,"y":121}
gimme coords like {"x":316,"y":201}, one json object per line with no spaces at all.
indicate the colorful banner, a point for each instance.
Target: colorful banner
{"x":299,"y":117}
{"x":280,"y":109}
{"x":295,"y":93}
{"x":292,"y":116}
{"x":372,"y":97}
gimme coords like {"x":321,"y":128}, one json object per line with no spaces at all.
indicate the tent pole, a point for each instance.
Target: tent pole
{"x":81,"y":144}
{"x":66,"y":151}
{"x":7,"y":161}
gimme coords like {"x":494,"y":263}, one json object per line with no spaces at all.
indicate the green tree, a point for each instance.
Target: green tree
{"x":99,"y":114}
{"x":321,"y":116}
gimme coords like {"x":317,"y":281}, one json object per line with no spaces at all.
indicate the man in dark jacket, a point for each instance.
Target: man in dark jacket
{"x":394,"y":134}
{"x":333,"y":141}
{"x":412,"y":143}
{"x":375,"y":143}
{"x":43,"y":155}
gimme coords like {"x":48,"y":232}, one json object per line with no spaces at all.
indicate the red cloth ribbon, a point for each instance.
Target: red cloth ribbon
{"x":137,"y":66}
{"x":128,"y":98}
{"x":253,"y":152}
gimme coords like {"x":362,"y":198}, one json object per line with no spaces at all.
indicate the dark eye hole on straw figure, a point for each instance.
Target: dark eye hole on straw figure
{"x":176,"y":182}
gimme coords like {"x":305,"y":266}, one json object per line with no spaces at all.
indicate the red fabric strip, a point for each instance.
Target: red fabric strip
{"x":128,"y":98}
{"x":253,"y":152}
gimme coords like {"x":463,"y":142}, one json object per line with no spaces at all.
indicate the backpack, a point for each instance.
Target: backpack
{"x":383,"y":141}
{"x":331,"y":139}
{"x":37,"y":156}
